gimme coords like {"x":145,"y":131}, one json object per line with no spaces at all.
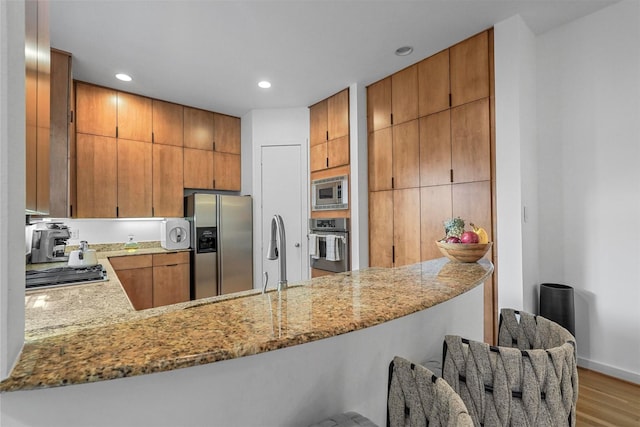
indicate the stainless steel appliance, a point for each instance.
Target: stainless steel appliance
{"x":330,"y":193}
{"x":221,"y":243}
{"x":48,"y":244}
{"x":329,"y":244}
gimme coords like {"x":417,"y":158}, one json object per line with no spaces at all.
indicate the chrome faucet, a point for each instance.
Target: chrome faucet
{"x":279,"y":241}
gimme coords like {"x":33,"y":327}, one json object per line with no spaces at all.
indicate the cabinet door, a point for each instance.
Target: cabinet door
{"x":32,"y":167}
{"x":170,"y":284}
{"x":406,"y":226}
{"x":381,"y":228}
{"x":433,"y":83}
{"x":406,"y":155}
{"x":470,"y":69}
{"x":198,"y":129}
{"x":470,"y":142}
{"x":43,"y":160}
{"x":338,"y":115}
{"x":472,"y":202}
{"x":167,"y":181}
{"x":318,"y":157}
{"x":60,"y":154}
{"x":198,"y":169}
{"x":379,"y":105}
{"x":135,"y":116}
{"x":138,"y":285}
{"x":404,"y":95}
{"x":96,"y":110}
{"x":134,"y":179}
{"x":338,"y":151}
{"x":226,"y":171}
{"x":318,"y":132}
{"x":380,"y":160}
{"x":226,"y":133}
{"x":97,"y":171}
{"x":435,"y":209}
{"x":168,"y":123}
{"x":435,"y":149}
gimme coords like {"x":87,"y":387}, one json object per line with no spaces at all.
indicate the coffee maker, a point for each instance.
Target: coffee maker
{"x":48,"y":244}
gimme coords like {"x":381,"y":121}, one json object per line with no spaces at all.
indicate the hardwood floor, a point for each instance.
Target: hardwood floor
{"x":606,"y":401}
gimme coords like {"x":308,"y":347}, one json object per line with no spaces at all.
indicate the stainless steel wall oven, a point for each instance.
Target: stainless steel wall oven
{"x":329,"y":244}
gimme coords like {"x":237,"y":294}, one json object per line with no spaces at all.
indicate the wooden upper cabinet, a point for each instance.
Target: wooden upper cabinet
{"x":198,"y":169}
{"x":97,"y":171}
{"x":96,"y":110}
{"x":168,"y":197}
{"x":469,"y":61}
{"x":318,"y":157}
{"x":338,"y":151}
{"x":168,"y":123}
{"x":433,"y":84}
{"x":226,"y":133}
{"x":406,"y":226}
{"x":318,"y":127}
{"x":435,"y":149}
{"x":406,"y":155}
{"x":198,"y":129}
{"x":380,"y":160}
{"x":381,"y":228}
{"x":134,"y":179}
{"x":379,"y":105}
{"x":338,"y":115}
{"x":135,"y":117}
{"x":404,"y":95}
{"x":226,"y":171}
{"x":470,"y":142}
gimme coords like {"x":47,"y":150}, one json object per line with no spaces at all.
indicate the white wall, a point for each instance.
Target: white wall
{"x":288,"y":126}
{"x":359,"y":176}
{"x":12,"y":183}
{"x":589,"y":180}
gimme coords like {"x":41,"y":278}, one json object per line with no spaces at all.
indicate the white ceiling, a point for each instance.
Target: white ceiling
{"x":211,"y":54}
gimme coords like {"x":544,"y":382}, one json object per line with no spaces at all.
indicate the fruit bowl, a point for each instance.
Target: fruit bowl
{"x":464,"y":252}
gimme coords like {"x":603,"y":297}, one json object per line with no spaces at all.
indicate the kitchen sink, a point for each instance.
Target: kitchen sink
{"x":64,"y":276}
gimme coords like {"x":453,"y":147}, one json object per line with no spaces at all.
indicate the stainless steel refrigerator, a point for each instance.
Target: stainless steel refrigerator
{"x":222,"y":243}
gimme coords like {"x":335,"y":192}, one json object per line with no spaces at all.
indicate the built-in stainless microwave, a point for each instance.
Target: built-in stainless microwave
{"x":330,"y":193}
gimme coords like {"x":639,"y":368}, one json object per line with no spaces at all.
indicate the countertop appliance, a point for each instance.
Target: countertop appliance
{"x":221,"y":244}
{"x":48,"y":244}
{"x":329,"y":244}
{"x":330,"y":193}
{"x":83,"y":257}
{"x":174,"y":233}
{"x":64,"y":276}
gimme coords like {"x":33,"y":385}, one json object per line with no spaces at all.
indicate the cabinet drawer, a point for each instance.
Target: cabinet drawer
{"x":130,"y":261}
{"x":171,"y":258}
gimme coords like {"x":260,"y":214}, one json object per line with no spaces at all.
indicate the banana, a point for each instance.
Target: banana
{"x":483,"y":237}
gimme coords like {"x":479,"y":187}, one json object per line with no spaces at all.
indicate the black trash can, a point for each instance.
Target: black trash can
{"x":556,"y":304}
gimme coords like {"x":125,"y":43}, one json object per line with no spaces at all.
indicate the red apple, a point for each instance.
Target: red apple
{"x":452,"y":239}
{"x":469,"y":237}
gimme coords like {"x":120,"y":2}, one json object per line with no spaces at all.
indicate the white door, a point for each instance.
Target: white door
{"x":282,"y":195}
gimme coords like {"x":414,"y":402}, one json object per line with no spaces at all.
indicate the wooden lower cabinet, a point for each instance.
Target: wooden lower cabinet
{"x":381,"y":228}
{"x":154,"y":280}
{"x":170,"y":278}
{"x":435,"y":208}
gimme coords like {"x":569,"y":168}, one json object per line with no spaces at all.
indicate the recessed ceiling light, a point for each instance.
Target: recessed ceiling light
{"x":264,"y":84}
{"x":404,"y":50}
{"x":123,"y":77}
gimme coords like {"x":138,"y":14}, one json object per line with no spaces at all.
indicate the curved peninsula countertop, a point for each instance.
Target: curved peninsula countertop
{"x":205,"y":331}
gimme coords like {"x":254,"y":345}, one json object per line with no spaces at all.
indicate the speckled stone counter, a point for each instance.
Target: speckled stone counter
{"x":211,"y":330}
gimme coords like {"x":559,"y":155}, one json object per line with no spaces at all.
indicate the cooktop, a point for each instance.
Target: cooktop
{"x":64,"y":276}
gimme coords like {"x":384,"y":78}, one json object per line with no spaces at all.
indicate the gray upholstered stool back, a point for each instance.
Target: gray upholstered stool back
{"x":418,"y":398}
{"x":534,"y":384}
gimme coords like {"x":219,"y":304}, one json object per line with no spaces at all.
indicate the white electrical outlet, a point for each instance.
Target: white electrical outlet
{"x":75,"y":234}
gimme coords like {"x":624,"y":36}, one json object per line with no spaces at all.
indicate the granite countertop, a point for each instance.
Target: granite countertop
{"x":206,"y":331}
